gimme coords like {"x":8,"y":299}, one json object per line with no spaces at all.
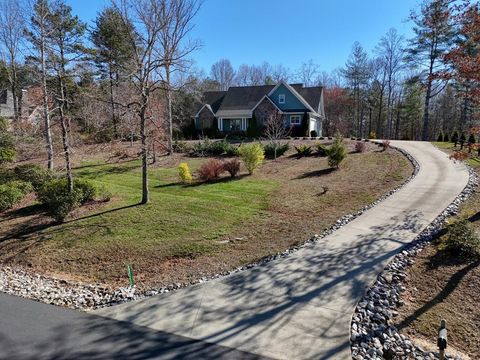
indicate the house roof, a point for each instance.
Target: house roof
{"x":312,"y":95}
{"x":239,"y":101}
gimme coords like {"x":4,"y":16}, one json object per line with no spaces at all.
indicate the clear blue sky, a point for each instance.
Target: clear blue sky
{"x":286,"y":32}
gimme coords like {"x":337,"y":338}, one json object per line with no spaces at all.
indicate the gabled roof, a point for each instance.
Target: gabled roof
{"x":240,"y":101}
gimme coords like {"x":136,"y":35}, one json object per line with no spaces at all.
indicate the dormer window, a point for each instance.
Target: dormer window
{"x":281,"y":99}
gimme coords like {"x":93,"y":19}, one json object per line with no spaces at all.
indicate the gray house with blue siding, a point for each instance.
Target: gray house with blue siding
{"x":240,"y":107}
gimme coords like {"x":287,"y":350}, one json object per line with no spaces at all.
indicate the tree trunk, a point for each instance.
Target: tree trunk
{"x":65,"y":140}
{"x":46,"y":115}
{"x":169,"y":109}
{"x":144,"y":155}
{"x":112,"y":103}
{"x":426,"y":119}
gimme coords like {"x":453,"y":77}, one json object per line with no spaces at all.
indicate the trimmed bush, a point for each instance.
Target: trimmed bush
{"x":313,"y":134}
{"x":88,"y":190}
{"x":57,"y":198}
{"x":322,"y":150}
{"x":360,"y":147}
{"x":372,"y":135}
{"x":337,"y":152}
{"x":232,"y":166}
{"x":180,"y":146}
{"x":210,"y":170}
{"x":33,"y":173}
{"x":461,"y":238}
{"x":252,"y":155}
{"x":269,"y":149}
{"x":184,"y":173}
{"x":303,"y":150}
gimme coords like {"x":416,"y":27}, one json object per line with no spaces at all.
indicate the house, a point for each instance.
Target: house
{"x":241,"y":107}
{"x":6,"y":104}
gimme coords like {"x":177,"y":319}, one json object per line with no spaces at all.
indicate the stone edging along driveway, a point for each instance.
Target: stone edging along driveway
{"x":372,"y":333}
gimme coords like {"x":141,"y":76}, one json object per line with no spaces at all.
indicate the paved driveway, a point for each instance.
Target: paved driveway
{"x":294,"y":308}
{"x":300,"y":307}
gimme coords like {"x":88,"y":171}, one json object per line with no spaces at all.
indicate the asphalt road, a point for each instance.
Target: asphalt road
{"x":30,"y":330}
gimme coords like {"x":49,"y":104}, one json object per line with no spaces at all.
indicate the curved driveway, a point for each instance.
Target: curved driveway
{"x":301,"y":306}
{"x":298,"y":307}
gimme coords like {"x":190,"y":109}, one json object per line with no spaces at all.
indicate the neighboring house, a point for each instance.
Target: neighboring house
{"x":6,"y":104}
{"x":234,"y":110}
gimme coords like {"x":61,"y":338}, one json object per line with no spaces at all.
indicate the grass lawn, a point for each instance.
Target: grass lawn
{"x":187,"y":232}
{"x":448,"y":147}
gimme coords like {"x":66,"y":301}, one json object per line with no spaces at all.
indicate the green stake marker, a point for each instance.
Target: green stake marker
{"x":130,"y":275}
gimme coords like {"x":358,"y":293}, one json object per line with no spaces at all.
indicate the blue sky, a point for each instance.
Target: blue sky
{"x":286,"y":32}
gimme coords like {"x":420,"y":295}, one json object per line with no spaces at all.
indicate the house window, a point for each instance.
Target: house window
{"x":295,"y":119}
{"x":281,"y":99}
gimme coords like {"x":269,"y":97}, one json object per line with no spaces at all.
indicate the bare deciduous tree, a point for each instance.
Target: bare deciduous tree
{"x":178,"y":16}
{"x":275,"y":130}
{"x":12,"y":25}
{"x":222,"y":72}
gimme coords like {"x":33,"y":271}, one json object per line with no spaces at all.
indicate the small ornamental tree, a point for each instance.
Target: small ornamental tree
{"x":337,"y":152}
{"x":455,"y":138}
{"x":440,"y":137}
{"x":445,"y":138}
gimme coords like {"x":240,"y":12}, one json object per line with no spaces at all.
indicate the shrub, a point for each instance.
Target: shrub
{"x":252,"y":155}
{"x":103,"y":194}
{"x":232,"y":166}
{"x":337,"y":152}
{"x":218,"y":147}
{"x":471,"y":139}
{"x":360,"y":147}
{"x":10,"y":194}
{"x":88,"y":190}
{"x":7,"y":148}
{"x":57,"y":198}
{"x":385,"y":144}
{"x":322,"y":150}
{"x":372,"y":135}
{"x":33,"y":173}
{"x":6,"y":175}
{"x":303,"y":150}
{"x":445,"y":138}
{"x":180,"y":146}
{"x":313,"y":133}
{"x":231,"y":150}
{"x":210,"y":170}
{"x":461,"y":238}
{"x":269,"y":149}
{"x":455,"y":137}
{"x":184,"y":173}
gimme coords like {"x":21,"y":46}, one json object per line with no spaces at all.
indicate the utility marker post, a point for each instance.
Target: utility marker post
{"x":442,"y":339}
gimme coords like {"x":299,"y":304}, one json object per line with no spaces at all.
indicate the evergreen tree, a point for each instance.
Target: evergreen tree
{"x":111,"y":38}
{"x":7,"y":148}
{"x":440,"y":137}
{"x":445,"y":138}
{"x":471,"y":139}
{"x":455,"y":138}
{"x":433,"y":39}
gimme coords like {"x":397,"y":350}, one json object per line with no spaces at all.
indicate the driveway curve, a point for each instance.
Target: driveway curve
{"x":300,"y":307}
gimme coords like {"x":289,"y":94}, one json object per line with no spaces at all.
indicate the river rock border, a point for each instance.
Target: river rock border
{"x":76,"y":295}
{"x":372,"y":335}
